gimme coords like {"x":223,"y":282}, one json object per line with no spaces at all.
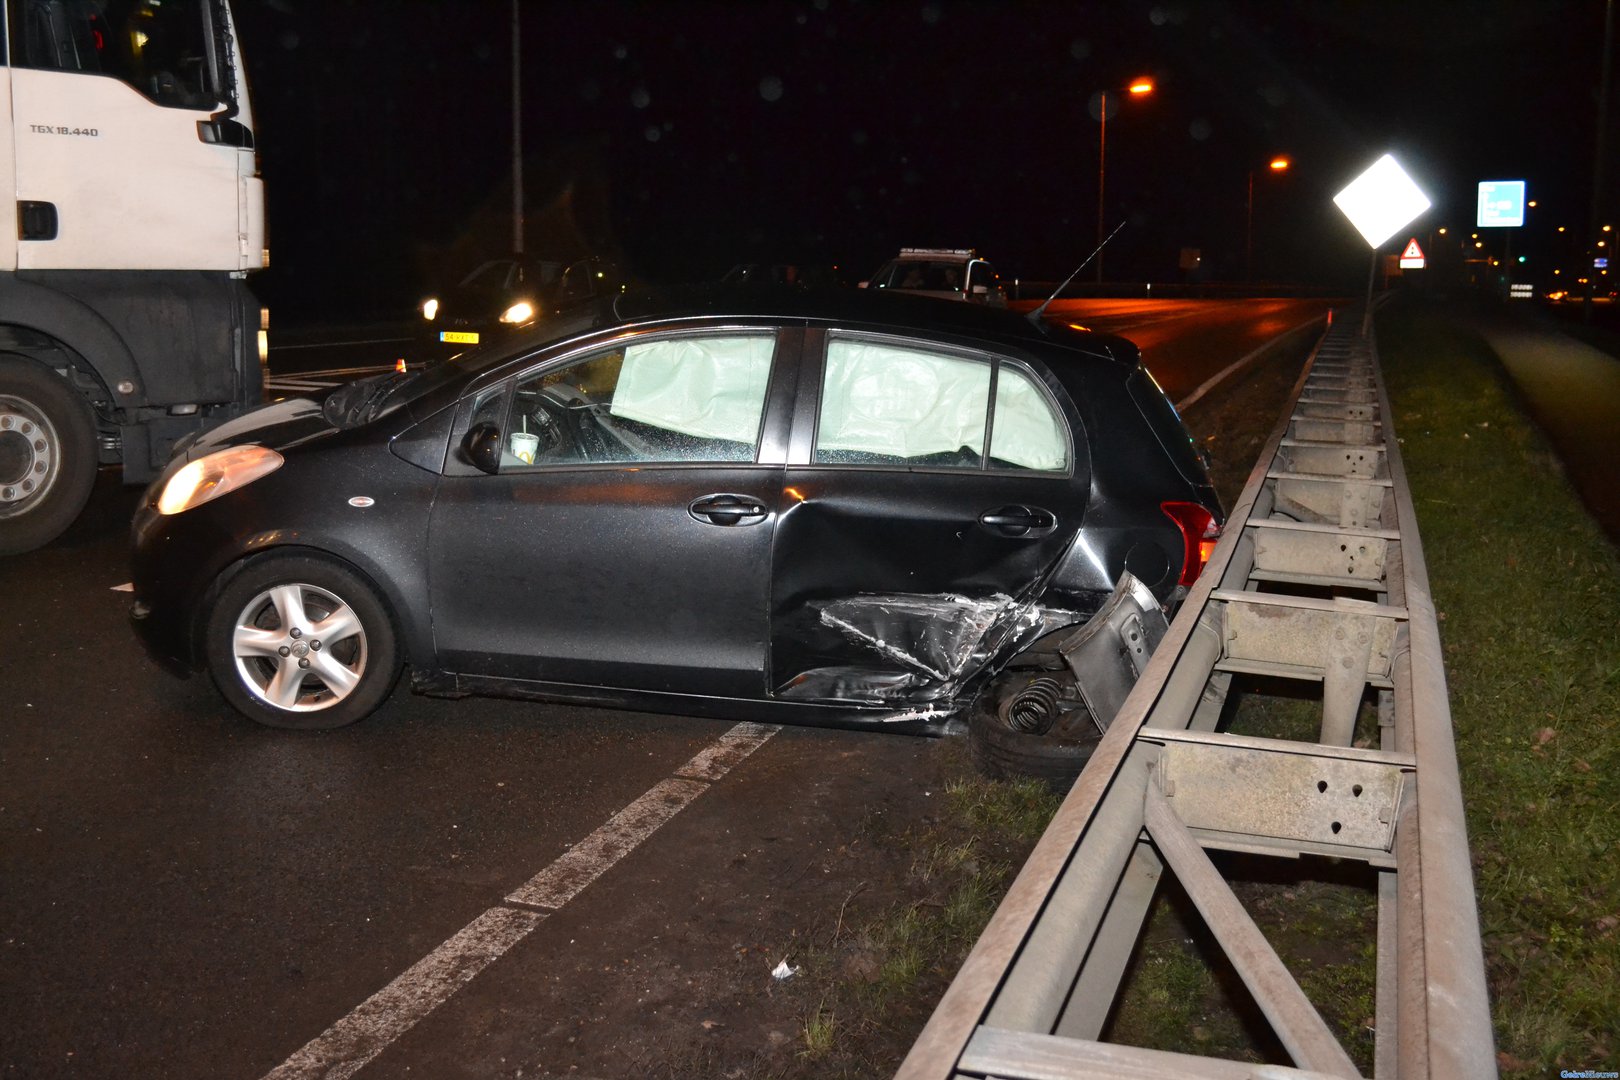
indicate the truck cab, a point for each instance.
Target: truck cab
{"x":126,"y":324}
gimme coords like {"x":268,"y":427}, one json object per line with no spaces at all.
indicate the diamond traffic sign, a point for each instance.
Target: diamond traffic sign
{"x":1381,"y":201}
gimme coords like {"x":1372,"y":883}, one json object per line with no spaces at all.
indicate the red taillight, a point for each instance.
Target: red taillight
{"x":1199,"y":534}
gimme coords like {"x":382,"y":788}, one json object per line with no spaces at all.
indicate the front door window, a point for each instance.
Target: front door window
{"x":696,"y":398}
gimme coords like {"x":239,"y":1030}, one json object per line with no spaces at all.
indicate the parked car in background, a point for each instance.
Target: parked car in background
{"x":784,"y":505}
{"x":948,"y":273}
{"x":501,"y":295}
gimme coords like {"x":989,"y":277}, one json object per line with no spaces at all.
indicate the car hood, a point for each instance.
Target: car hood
{"x":279,"y":426}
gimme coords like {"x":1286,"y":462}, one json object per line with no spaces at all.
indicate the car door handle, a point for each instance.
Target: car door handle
{"x":1019,"y":520}
{"x":727,"y":510}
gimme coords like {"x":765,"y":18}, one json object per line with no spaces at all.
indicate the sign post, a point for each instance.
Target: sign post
{"x":1379,"y":203}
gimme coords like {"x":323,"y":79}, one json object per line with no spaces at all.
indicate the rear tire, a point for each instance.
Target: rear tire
{"x":47,"y":454}
{"x":298,"y":642}
{"x":1004,"y":752}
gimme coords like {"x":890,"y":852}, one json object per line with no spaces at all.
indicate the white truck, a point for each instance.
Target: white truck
{"x":125,"y":318}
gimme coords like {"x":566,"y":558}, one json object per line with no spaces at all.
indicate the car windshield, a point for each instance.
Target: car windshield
{"x":492,"y":276}
{"x":929,"y":275}
{"x":363,"y":401}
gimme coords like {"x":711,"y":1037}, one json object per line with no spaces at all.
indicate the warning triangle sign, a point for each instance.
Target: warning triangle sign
{"x":1412,"y":250}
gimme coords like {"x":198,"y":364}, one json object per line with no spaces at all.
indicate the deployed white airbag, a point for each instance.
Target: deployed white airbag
{"x":905,"y":403}
{"x":881,"y":400}
{"x":1026,"y":431}
{"x":709,"y":387}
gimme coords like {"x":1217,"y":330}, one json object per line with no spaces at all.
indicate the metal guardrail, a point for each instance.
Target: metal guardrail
{"x":1318,"y":582}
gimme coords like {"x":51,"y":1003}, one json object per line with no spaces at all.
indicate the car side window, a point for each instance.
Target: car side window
{"x":1028,"y":433}
{"x":681,"y":399}
{"x":887,"y":404}
{"x":884,"y":404}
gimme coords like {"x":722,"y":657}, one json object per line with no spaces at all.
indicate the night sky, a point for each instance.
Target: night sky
{"x":682,"y":137}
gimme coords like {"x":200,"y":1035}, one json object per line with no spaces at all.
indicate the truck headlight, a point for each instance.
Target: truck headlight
{"x":209,"y":477}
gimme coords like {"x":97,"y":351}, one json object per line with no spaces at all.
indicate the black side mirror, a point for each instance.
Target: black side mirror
{"x":481,"y":446}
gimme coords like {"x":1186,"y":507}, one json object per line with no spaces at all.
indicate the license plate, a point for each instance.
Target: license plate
{"x":458,"y":337}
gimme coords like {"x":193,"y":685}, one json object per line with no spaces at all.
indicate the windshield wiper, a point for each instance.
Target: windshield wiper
{"x":360,"y":401}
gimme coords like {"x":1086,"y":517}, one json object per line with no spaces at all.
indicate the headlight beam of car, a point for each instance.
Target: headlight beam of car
{"x":430,"y":308}
{"x":520,"y":312}
{"x":207,"y":478}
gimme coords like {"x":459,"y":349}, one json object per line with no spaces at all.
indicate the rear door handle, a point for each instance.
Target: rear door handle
{"x":1019,"y":521}
{"x":727,"y":510}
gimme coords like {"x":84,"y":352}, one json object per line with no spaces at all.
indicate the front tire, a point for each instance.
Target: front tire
{"x":47,"y":454}
{"x":300,"y":642}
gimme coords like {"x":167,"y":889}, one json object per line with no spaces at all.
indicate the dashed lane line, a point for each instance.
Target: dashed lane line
{"x":354,"y":1041}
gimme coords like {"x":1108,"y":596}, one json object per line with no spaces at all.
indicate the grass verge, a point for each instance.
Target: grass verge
{"x":870,"y":987}
{"x":1528,"y":591}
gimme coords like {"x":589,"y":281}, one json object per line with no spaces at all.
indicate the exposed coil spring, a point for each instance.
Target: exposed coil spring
{"x":1033,"y":709}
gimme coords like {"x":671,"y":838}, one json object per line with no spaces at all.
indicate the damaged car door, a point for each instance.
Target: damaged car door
{"x":930,"y":489}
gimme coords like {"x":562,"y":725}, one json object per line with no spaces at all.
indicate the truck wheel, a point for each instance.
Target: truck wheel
{"x":47,"y":454}
{"x":299,"y":642}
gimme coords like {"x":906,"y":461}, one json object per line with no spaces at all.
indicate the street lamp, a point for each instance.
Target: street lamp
{"x":1137,"y":88}
{"x":1278,"y":165}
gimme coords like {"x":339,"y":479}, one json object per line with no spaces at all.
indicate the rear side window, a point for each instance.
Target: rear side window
{"x":888,"y":404}
{"x":1166,"y":424}
{"x":1028,"y":433}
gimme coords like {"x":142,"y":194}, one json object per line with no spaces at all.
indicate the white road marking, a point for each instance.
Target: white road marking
{"x":339,"y":344}
{"x":337,"y":372}
{"x":588,"y":860}
{"x":354,"y":1041}
{"x":722,"y":755}
{"x":1237,"y":365}
{"x":128,"y":586}
{"x":350,"y":1044}
{"x":298,"y":384}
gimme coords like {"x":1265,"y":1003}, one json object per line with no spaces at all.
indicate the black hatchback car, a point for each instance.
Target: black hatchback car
{"x":841,"y":508}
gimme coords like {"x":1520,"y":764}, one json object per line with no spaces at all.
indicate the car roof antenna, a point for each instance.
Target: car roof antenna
{"x":1035,"y":316}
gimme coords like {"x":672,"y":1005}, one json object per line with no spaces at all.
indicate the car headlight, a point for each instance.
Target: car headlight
{"x":520,"y":312}
{"x":430,"y":308}
{"x":211,"y":476}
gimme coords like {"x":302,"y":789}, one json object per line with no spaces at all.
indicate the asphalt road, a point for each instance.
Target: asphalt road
{"x":185,"y":894}
{"x":1187,"y":342}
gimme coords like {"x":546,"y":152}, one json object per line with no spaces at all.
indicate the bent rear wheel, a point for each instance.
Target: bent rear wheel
{"x":298,"y":642}
{"x":1031,"y":724}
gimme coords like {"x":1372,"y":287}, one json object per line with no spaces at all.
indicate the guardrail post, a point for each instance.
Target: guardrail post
{"x":1319,"y":581}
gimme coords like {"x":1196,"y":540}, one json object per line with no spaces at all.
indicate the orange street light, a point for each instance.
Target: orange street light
{"x":1278,"y":164}
{"x":1137,"y":88}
